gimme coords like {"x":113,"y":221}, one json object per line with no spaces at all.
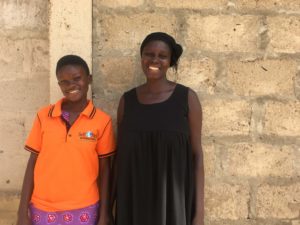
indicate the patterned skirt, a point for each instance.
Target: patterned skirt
{"x":84,"y":216}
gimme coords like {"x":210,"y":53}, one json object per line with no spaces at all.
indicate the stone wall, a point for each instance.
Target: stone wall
{"x":24,"y":87}
{"x":242,"y":58}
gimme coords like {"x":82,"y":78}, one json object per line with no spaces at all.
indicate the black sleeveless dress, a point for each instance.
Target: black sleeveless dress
{"x":155,"y":182}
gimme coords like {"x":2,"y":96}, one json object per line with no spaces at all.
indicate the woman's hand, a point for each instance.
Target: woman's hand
{"x":198,"y":221}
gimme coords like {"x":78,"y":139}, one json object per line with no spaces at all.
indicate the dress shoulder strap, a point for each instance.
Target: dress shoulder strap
{"x":181,"y":93}
{"x":129,"y":99}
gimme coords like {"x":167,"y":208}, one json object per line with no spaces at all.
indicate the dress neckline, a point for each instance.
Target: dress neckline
{"x":156,"y":103}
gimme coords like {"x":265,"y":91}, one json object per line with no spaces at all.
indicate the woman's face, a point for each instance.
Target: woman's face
{"x":156,"y":59}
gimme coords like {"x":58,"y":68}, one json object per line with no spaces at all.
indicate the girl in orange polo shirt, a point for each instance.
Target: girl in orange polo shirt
{"x":67,"y":176}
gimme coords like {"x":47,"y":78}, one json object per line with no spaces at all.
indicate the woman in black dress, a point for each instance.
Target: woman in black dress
{"x":160,"y":175}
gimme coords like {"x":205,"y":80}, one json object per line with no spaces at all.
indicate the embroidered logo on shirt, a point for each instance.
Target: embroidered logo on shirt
{"x":89,"y":135}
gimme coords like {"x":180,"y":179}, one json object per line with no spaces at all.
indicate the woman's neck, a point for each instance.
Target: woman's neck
{"x":156,"y":86}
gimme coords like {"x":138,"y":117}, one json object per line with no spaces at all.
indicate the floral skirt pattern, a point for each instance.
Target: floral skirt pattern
{"x":84,"y":216}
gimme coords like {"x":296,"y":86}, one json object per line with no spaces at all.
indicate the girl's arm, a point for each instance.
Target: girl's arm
{"x":105,"y":187}
{"x":195,"y":123}
{"x":27,"y":188}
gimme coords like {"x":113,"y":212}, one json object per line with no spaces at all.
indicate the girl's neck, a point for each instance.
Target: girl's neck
{"x":74,"y":107}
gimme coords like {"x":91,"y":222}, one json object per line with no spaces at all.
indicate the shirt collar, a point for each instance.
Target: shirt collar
{"x":89,"y":111}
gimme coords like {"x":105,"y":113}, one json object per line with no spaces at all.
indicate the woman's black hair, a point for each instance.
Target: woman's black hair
{"x":72,"y":60}
{"x":176,"y":49}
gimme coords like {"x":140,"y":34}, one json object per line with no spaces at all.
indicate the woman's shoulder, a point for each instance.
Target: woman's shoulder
{"x":129,"y":92}
{"x":188,"y":90}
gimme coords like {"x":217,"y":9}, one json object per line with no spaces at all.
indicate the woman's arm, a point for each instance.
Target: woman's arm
{"x":120,"y":113}
{"x":104,"y":186}
{"x":27,"y":189}
{"x":195,"y":123}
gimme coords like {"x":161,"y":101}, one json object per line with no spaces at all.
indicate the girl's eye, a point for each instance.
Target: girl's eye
{"x":76,"y":79}
{"x":63,"y":82}
{"x":148,"y":54}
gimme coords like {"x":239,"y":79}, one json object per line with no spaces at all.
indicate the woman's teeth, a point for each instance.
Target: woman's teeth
{"x":73,"y":92}
{"x":153,"y":68}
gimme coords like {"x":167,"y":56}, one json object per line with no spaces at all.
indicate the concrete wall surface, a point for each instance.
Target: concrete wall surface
{"x":242,"y":57}
{"x":24,"y":87}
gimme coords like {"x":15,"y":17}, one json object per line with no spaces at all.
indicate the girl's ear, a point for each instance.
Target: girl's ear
{"x":90,"y":79}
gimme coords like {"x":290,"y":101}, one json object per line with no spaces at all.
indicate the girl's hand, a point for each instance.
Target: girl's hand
{"x":25,"y":220}
{"x":106,"y":220}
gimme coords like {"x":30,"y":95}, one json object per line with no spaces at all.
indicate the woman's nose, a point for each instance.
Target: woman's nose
{"x":155,"y":59}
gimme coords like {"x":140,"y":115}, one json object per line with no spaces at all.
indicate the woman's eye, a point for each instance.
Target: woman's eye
{"x":163,"y":56}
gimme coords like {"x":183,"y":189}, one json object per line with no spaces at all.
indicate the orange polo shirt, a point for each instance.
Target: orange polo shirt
{"x":66,"y":170}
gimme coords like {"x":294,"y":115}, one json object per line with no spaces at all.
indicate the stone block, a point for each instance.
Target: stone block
{"x":223,"y":33}
{"x":12,"y":171}
{"x":252,"y":221}
{"x":12,"y":133}
{"x":196,"y":73}
{"x":8,"y":218}
{"x":226,"y":201}
{"x":9,"y":202}
{"x":210,"y":160}
{"x":114,"y":73}
{"x":297,"y":85}
{"x":278,"y":201}
{"x":39,"y":56}
{"x":24,"y":58}
{"x":287,"y":6}
{"x":262,"y":77}
{"x":279,"y":28}
{"x":28,"y":14}
{"x":24,"y":94}
{"x":296,"y":222}
{"x":259,"y":160}
{"x":28,"y":120}
{"x":126,"y":32}
{"x":226,"y":117}
{"x":12,"y":57}
{"x":192,"y":4}
{"x":282,"y":119}
{"x":119,"y":3}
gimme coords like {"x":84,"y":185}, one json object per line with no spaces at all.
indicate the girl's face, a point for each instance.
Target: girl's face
{"x":73,"y":82}
{"x":156,"y":59}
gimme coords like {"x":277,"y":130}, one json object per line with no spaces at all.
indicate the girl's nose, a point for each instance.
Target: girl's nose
{"x":155,"y":59}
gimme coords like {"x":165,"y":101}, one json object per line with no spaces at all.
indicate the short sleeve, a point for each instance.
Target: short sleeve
{"x":34,"y":139}
{"x":106,"y":142}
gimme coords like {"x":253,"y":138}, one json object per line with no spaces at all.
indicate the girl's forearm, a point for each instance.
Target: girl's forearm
{"x":27,"y":187}
{"x":105,"y":187}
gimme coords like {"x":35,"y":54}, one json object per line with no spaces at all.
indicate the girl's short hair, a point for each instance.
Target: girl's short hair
{"x":72,"y":60}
